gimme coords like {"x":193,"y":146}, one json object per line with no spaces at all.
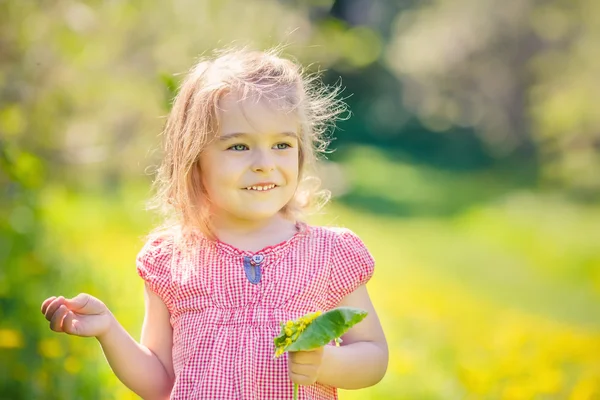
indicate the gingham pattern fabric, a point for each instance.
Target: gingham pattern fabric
{"x":223,"y":325}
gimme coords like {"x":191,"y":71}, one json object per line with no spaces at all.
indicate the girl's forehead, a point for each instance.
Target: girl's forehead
{"x":250,"y":114}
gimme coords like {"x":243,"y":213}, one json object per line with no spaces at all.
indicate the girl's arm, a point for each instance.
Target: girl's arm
{"x":362,"y":358}
{"x":146,"y":367}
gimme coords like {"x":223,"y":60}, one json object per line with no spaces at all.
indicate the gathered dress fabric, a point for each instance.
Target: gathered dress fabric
{"x":224,"y":325}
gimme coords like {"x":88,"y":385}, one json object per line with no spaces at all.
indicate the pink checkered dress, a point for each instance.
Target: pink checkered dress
{"x":224,"y":325}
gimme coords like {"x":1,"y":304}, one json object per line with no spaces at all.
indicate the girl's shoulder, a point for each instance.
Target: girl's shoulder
{"x":339,"y":240}
{"x":350,"y":263}
{"x":172,"y":240}
{"x":166,"y":247}
{"x":333,"y":233}
{"x":159,"y":241}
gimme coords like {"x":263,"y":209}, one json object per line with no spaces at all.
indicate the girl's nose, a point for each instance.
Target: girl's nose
{"x":263,"y":162}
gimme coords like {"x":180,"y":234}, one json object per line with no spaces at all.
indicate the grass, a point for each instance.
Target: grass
{"x":486,"y":290}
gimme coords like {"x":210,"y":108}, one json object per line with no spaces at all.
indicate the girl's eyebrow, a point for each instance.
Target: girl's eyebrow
{"x":237,"y":135}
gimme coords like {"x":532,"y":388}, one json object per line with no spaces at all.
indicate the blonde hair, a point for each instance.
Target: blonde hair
{"x":193,"y":123}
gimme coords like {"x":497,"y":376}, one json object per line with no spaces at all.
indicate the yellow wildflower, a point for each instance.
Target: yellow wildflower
{"x":291,"y":330}
{"x":279,"y":351}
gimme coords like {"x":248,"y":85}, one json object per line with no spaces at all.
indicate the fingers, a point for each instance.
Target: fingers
{"x":52,"y":306}
{"x":69,"y":324}
{"x":307,"y":357}
{"x":304,"y":366}
{"x":79,"y":302}
{"x":57,"y":318}
{"x":64,"y":314}
{"x":302,"y":379}
{"x":303,"y":370}
{"x":46,"y":303}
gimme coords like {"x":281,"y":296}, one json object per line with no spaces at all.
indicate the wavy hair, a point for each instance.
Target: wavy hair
{"x":194,"y":122}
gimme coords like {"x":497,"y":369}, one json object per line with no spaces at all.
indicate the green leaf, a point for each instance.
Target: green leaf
{"x":325,"y":328}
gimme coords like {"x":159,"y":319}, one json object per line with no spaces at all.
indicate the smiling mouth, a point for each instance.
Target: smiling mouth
{"x":261,"y":188}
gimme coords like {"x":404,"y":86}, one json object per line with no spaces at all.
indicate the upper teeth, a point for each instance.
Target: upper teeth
{"x":261,"y":187}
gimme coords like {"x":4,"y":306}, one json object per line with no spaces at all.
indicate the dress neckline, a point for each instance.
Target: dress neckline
{"x":301,"y":230}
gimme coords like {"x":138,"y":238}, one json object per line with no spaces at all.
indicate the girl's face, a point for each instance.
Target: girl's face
{"x":250,"y":171}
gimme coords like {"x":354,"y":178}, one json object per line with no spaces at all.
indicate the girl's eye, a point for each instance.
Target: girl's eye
{"x":238,"y":147}
{"x":282,"y":146}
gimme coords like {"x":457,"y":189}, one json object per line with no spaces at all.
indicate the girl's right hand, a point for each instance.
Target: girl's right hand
{"x":83,"y":315}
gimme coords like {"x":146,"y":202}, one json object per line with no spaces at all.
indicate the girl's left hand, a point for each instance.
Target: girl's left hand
{"x":304,"y":366}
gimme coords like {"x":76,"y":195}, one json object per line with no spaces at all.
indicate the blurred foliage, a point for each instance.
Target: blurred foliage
{"x":456,"y":83}
{"x":31,"y":267}
{"x":523,"y":74}
{"x":495,"y":301}
{"x":477,"y":133}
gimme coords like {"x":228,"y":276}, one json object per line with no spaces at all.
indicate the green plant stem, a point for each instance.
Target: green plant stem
{"x":295,"y":391}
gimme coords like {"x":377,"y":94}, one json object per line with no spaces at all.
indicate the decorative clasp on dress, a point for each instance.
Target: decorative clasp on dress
{"x":252,"y":267}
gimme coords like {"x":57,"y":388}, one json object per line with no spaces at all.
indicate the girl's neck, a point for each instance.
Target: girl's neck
{"x":254,"y":235}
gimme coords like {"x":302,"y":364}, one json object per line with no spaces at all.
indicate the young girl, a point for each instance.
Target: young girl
{"x":236,"y":259}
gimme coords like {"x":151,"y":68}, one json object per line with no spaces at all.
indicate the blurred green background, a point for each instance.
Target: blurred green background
{"x":470,"y":167}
